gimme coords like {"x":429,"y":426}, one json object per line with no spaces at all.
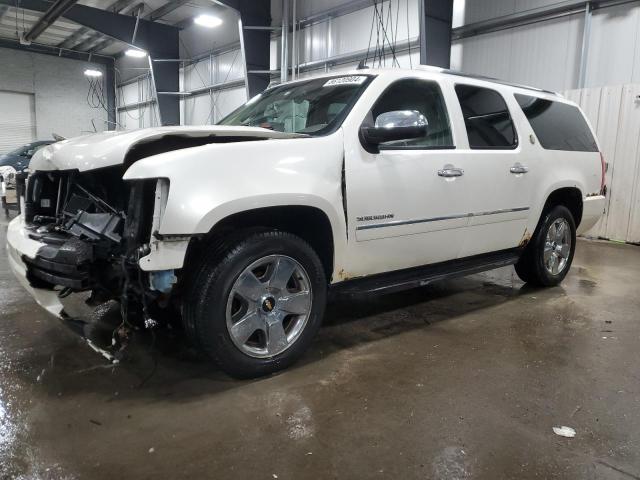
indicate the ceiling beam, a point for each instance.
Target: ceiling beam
{"x":255,"y":44}
{"x":74,"y":41}
{"x":154,"y":15}
{"x":151,"y":36}
{"x":53,"y":13}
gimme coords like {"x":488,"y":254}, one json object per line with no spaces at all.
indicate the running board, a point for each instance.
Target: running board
{"x":420,"y":276}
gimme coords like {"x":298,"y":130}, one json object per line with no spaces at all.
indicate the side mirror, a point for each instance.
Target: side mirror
{"x":395,"y":125}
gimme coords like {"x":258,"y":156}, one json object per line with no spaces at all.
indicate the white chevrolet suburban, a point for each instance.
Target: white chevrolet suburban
{"x":367,"y":181}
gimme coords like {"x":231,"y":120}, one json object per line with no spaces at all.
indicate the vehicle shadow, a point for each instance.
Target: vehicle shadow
{"x":162,"y":364}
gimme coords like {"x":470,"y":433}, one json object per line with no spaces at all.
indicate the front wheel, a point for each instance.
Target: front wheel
{"x":548,"y":256}
{"x":255,"y":305}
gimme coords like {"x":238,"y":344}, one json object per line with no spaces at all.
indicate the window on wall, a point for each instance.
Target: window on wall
{"x":426,"y":98}
{"x":486,"y":118}
{"x":557,"y":125}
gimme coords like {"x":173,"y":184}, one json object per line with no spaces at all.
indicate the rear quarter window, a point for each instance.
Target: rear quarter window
{"x":557,"y":125}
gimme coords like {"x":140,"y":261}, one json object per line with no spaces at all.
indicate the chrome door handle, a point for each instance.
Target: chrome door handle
{"x":451,"y":172}
{"x":519,"y":169}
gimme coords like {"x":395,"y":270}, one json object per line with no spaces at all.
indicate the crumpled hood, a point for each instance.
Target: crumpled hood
{"x":99,"y":150}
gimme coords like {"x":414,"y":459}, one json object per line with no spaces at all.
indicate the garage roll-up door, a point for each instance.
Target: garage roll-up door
{"x":17,"y":120}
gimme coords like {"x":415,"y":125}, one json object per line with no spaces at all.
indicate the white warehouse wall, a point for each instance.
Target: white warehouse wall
{"x":136,"y":104}
{"x":547,"y":54}
{"x":60,"y":90}
{"x":203,"y":107}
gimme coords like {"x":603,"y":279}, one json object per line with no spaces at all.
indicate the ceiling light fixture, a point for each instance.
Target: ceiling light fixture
{"x":90,"y":72}
{"x":209,"y":21}
{"x":135,"y":53}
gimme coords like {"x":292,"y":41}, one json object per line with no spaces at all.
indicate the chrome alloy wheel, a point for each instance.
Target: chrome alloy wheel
{"x":268,"y":306}
{"x":557,"y":246}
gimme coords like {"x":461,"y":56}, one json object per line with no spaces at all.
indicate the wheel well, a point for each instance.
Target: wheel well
{"x":570,"y":197}
{"x":309,"y":223}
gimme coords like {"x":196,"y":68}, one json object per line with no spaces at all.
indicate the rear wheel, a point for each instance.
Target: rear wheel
{"x":548,"y":256}
{"x":255,"y":304}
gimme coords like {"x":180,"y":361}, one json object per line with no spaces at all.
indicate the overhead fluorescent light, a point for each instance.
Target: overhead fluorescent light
{"x":90,"y":72}
{"x":209,"y":21}
{"x":135,"y":53}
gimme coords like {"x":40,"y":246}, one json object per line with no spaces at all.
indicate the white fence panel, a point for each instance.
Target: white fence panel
{"x":614,"y":113}
{"x":607,"y":129}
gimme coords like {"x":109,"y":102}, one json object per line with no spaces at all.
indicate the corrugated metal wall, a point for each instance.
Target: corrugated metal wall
{"x":136,"y":104}
{"x":478,"y":10}
{"x":208,"y":105}
{"x":547,"y":53}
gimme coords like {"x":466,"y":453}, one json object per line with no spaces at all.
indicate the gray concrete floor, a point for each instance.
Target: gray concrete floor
{"x":461,"y":379}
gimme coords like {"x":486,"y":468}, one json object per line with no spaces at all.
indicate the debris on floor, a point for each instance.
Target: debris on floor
{"x":564,"y":431}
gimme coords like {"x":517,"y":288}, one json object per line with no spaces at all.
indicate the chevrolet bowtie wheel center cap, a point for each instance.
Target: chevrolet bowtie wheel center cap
{"x":268,"y":304}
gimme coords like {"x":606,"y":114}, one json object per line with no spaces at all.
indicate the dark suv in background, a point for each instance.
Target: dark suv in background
{"x":19,"y":158}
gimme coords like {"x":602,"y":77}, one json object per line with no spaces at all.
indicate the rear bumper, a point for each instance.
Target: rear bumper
{"x":592,"y":210}
{"x":19,"y":245}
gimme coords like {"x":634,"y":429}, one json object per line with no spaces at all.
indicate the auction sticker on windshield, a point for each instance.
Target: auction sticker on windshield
{"x":350,"y":80}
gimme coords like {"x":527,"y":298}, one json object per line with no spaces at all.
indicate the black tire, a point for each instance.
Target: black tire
{"x":205,"y":307}
{"x":531,"y":266}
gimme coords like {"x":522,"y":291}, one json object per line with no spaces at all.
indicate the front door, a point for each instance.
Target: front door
{"x":405,"y":202}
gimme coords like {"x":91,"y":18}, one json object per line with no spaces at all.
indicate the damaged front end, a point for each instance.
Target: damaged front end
{"x":94,"y":228}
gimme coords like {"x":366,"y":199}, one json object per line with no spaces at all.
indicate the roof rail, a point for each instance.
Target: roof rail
{"x":431,"y":68}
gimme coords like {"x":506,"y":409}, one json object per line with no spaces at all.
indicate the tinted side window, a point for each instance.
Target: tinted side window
{"x":558,"y":126}
{"x":486,"y":117}
{"x":425,"y":97}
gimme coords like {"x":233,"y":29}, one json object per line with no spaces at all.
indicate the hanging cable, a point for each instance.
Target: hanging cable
{"x":366,"y":58}
{"x":226,"y":78}
{"x":394,"y":33}
{"x":195,"y":67}
{"x":409,"y":37}
{"x":386,"y":36}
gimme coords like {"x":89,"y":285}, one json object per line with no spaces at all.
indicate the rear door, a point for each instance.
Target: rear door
{"x":499,"y":171}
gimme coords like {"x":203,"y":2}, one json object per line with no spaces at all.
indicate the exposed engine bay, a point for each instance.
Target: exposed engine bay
{"x":95,"y":228}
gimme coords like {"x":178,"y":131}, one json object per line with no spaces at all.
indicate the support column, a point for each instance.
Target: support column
{"x":110,"y":87}
{"x":435,"y":32}
{"x":256,"y":44}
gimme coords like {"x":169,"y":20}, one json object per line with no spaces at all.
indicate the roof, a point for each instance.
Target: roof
{"x":429,"y":69}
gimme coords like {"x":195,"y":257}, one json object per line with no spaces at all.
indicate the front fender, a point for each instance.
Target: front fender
{"x":211,"y":182}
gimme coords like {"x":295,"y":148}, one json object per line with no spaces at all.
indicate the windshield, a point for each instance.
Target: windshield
{"x":315,"y":107}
